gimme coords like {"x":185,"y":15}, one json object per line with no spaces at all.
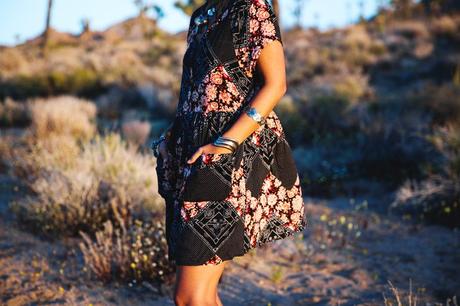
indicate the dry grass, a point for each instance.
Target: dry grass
{"x":445,"y":26}
{"x":136,"y":131}
{"x":410,"y":298}
{"x":351,"y":87}
{"x":127,"y":250}
{"x":74,"y":185}
{"x":64,"y":115}
{"x":410,"y":29}
{"x":13,"y":113}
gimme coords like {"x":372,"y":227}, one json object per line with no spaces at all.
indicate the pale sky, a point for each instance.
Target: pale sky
{"x":24,"y":19}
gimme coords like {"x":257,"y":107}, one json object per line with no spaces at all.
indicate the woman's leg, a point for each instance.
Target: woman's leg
{"x":197,"y":285}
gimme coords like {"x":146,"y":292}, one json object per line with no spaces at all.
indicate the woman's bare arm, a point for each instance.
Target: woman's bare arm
{"x":272,"y":66}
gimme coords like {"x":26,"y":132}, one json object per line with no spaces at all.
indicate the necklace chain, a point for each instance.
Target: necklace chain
{"x":203,"y":19}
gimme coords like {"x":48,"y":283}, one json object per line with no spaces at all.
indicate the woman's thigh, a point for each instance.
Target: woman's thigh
{"x":198,"y":283}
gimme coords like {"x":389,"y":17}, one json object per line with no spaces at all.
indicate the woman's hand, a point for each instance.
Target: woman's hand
{"x":208,"y":149}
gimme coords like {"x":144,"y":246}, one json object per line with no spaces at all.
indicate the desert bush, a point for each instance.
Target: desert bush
{"x":435,"y":199}
{"x":325,"y":166}
{"x":410,"y":29}
{"x":11,"y":61}
{"x":355,"y":58}
{"x":74,"y":185}
{"x":80,"y":81}
{"x":445,"y":26}
{"x":357,"y":37}
{"x":22,"y":86}
{"x":117,"y":162}
{"x":13,"y":114}
{"x":65,"y":115}
{"x":32,"y":155}
{"x":399,"y":297}
{"x":351,"y":87}
{"x":442,"y":102}
{"x":392,"y":151}
{"x":136,"y":131}
{"x":326,"y":117}
{"x":130,"y":250}
{"x":62,"y":206}
{"x":294,"y":124}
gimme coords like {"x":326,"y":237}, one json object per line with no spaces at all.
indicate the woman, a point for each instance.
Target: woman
{"x":224,"y":167}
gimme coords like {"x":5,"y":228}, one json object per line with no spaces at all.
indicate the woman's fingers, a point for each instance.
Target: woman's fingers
{"x":195,"y":155}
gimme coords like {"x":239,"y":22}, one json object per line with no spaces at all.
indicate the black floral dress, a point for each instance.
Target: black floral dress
{"x":225,"y":204}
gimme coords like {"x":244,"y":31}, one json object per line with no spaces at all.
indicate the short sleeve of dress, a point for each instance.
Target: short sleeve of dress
{"x":263,"y":29}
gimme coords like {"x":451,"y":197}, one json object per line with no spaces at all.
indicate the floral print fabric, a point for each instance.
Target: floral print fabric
{"x":225,"y":204}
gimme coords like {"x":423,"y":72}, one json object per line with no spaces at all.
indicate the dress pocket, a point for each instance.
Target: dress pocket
{"x":210,"y":177}
{"x":283,"y":166}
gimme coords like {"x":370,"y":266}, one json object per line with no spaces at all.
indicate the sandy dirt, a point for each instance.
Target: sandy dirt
{"x":346,"y":256}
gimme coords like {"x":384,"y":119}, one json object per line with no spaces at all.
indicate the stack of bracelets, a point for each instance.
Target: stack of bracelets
{"x":221,"y":141}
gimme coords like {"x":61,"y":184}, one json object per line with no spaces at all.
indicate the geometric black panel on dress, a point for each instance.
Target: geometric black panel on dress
{"x":256,"y":177}
{"x":210,"y":182}
{"x":283,"y":166}
{"x":273,"y":230}
{"x":215,"y":224}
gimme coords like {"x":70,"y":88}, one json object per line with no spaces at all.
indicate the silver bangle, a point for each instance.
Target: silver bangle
{"x":226,"y":142}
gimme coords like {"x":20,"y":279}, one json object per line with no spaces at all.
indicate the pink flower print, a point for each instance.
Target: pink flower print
{"x":252,"y":10}
{"x":216,"y":78}
{"x":285,"y":206}
{"x":202,"y":204}
{"x":211,"y":91}
{"x":266,"y":185}
{"x":262,"y":14}
{"x":277,"y":182}
{"x":272,"y":199}
{"x":268,"y":29}
{"x":263,"y":222}
{"x":295,"y":217}
{"x":232,"y":88}
{"x":213,"y":106}
{"x":247,"y":220}
{"x":281,"y":193}
{"x":263,"y":199}
{"x":253,"y":25}
{"x":225,"y":96}
{"x":284,"y":218}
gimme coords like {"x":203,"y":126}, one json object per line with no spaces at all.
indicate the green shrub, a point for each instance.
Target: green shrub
{"x":80,"y":81}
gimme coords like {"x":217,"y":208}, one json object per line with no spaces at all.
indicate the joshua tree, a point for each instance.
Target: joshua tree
{"x":276,"y":9}
{"x":145,"y":6}
{"x":299,"y":5}
{"x":47,"y":26}
{"x":189,"y":6}
{"x":361,"y":11}
{"x":85,"y":25}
